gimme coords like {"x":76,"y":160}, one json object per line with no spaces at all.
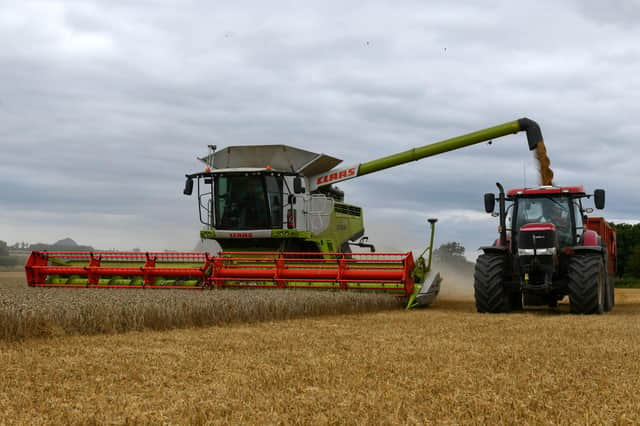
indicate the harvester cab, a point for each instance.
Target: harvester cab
{"x":548,"y":248}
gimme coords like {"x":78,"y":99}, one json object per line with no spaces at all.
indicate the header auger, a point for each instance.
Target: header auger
{"x":281,"y":223}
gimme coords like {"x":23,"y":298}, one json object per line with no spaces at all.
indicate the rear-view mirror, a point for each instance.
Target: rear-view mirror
{"x":489,"y":202}
{"x":188,"y":187}
{"x":598,"y":198}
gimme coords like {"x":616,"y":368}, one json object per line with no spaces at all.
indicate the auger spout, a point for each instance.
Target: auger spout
{"x":534,"y":136}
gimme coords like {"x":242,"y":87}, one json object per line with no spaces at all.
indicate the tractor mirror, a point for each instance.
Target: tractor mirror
{"x":598,"y":198}
{"x":297,"y":185}
{"x":188,"y":187}
{"x":489,"y":202}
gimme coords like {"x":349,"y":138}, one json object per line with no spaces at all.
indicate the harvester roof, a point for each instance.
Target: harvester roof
{"x":280,"y":158}
{"x":546,"y":190}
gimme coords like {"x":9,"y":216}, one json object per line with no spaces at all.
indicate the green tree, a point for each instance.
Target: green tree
{"x":451,"y":255}
{"x":4,"y":250}
{"x":632,"y":263}
{"x":449,"y":250}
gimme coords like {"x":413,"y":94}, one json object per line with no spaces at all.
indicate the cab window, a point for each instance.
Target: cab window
{"x":248,"y":202}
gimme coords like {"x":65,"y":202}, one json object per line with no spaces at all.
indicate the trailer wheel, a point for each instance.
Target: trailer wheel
{"x":587,"y":284}
{"x":610,"y":299}
{"x":489,"y":290}
{"x":610,"y":296}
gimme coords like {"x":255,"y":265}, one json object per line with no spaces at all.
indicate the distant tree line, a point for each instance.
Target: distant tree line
{"x":628,"y":239}
{"x":5,"y":259}
{"x":20,"y":246}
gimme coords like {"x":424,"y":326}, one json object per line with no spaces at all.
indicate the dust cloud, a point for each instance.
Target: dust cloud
{"x":210,"y":246}
{"x":457,"y":283}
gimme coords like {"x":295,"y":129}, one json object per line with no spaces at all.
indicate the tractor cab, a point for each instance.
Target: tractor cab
{"x":559,"y":213}
{"x":555,"y":215}
{"x":555,"y":211}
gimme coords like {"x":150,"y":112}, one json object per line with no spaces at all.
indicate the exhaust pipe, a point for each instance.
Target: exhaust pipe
{"x":503,"y":215}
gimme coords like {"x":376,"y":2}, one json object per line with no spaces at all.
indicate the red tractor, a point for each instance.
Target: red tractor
{"x":548,"y":249}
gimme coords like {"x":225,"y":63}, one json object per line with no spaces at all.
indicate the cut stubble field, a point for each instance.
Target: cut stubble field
{"x":445,"y":364}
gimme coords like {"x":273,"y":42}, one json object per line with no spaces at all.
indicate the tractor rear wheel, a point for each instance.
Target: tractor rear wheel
{"x":490,"y":294}
{"x":587,"y":284}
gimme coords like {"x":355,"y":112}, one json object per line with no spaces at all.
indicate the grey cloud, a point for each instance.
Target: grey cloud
{"x":623,"y":13}
{"x":104,"y":106}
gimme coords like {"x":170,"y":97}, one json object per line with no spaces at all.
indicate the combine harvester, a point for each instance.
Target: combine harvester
{"x":281,"y":222}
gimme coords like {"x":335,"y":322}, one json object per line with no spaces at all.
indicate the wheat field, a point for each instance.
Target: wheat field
{"x":43,"y":312}
{"x":446,"y":365}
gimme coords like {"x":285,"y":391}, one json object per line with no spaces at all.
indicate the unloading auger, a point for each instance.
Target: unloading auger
{"x":281,"y":223}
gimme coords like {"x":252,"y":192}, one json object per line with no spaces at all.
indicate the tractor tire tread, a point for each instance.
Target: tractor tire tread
{"x":490,"y":294}
{"x":584,"y":273}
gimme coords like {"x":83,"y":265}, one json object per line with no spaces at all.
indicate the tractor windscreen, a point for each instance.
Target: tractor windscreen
{"x":556,"y":210}
{"x":248,"y":202}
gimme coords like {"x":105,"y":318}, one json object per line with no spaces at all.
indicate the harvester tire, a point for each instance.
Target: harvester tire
{"x":587,"y":284}
{"x":490,"y":294}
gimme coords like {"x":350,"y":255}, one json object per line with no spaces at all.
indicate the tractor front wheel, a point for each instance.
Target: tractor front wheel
{"x":490,"y":294}
{"x":587,"y":284}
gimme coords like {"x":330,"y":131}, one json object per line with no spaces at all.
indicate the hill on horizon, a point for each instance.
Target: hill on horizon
{"x":65,"y":244}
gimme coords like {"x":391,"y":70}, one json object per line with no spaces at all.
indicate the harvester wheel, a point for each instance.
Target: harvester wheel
{"x":587,"y":284}
{"x":490,"y":293}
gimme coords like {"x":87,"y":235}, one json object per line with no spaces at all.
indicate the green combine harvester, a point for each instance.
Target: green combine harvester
{"x":281,"y":223}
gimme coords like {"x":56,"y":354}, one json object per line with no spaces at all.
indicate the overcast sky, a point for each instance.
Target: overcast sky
{"x":104,"y":106}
